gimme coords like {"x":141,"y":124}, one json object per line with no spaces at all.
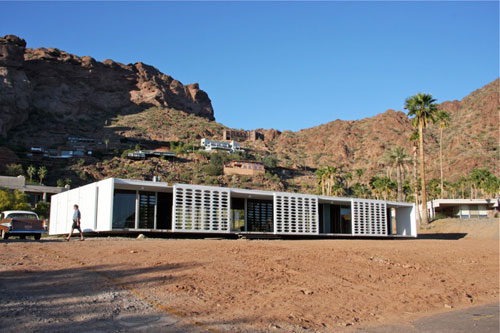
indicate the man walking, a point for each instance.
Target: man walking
{"x":76,"y":223}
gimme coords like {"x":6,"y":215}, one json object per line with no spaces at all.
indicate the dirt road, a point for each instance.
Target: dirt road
{"x":119,"y":284}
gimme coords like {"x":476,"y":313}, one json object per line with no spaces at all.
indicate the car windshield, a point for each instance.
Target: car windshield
{"x":24,"y":216}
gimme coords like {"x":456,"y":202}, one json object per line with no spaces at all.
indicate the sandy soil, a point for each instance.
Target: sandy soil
{"x":468,"y":228}
{"x":241,"y":285}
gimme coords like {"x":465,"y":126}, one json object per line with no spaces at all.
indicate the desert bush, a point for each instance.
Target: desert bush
{"x":13,"y":200}
{"x":42,"y":208}
{"x":270,"y":162}
{"x":14,"y":170}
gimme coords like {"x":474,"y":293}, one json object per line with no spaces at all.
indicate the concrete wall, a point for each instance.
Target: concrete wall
{"x":406,"y":223}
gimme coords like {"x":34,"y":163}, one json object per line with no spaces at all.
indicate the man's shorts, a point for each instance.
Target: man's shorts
{"x":75,"y":226}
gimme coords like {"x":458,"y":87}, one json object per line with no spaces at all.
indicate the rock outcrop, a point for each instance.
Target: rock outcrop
{"x":15,"y":86}
{"x":68,"y":86}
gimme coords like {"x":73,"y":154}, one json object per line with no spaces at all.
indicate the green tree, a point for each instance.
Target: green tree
{"x":397,"y":159}
{"x":484,"y":180}
{"x":13,"y":200}
{"x":443,"y":119}
{"x":361,"y":191}
{"x":31,"y":171}
{"x":270,"y":162}
{"x":434,"y":189}
{"x":42,"y":208}
{"x":422,"y":109}
{"x":383,"y":187}
{"x":42,"y":173}
{"x":330,"y":181}
{"x":359,"y":173}
{"x":492,"y":187}
{"x":14,"y":169}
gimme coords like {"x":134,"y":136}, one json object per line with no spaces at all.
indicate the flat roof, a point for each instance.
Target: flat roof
{"x":449,"y":202}
{"x":245,"y":193}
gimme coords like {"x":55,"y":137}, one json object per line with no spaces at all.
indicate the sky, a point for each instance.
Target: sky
{"x":283,"y":65}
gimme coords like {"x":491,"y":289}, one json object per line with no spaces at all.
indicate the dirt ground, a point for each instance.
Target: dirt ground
{"x":240,"y":285}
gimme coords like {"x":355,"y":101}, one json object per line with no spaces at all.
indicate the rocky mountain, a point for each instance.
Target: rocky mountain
{"x":73,"y":88}
{"x":471,"y":140}
{"x":47,"y":95}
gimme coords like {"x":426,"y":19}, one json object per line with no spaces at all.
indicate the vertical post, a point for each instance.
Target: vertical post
{"x":96,"y":202}
{"x":353,"y":217}
{"x":111,"y":203}
{"x":156,"y":211}
{"x":136,"y":209}
{"x":245,"y":216}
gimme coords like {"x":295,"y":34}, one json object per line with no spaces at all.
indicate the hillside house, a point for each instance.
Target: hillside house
{"x":463,"y":208}
{"x":252,"y":135}
{"x":211,"y":145}
{"x":244,"y":168}
{"x":35,"y":192}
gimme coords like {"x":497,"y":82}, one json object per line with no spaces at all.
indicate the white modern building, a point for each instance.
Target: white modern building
{"x":462,"y":208}
{"x":210,"y":145}
{"x":120,"y":205}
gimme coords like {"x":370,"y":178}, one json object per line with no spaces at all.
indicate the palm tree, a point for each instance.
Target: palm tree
{"x":423,"y":108}
{"x":414,"y":140}
{"x":398,"y":159}
{"x":321,"y":180}
{"x":443,"y":119}
{"x":42,"y":173}
{"x":382,"y":186}
{"x":31,"y":171}
{"x":106,"y":142}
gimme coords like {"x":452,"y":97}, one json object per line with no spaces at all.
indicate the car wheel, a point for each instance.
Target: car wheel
{"x":22,"y":237}
{"x":4,"y":235}
{"x":38,"y":236}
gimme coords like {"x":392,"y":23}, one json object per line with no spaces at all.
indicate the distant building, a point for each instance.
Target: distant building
{"x":242,"y":135}
{"x":210,"y":145}
{"x":463,"y":208}
{"x":244,"y":168}
{"x":35,"y":193}
{"x":144,"y":154}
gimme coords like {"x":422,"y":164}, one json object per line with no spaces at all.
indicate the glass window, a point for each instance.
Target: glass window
{"x":345,"y":219}
{"x":147,"y":203}
{"x":124,"y":209}
{"x":23,"y":216}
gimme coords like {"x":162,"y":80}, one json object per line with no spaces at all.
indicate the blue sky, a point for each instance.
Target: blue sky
{"x":284,"y":65}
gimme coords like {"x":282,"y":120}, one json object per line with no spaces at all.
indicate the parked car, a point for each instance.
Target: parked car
{"x":21,"y":223}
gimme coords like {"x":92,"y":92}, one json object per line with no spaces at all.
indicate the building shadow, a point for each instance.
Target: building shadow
{"x":444,"y":236}
{"x":87,"y":298}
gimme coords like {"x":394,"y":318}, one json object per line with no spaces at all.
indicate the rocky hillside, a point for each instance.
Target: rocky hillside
{"x":471,"y":140}
{"x":47,"y":95}
{"x":78,"y":89}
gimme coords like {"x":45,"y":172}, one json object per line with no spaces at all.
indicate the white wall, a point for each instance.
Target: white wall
{"x":94,"y":201}
{"x":105,"y":205}
{"x":406,"y":223}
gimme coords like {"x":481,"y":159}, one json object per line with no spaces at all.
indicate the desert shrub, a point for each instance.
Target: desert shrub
{"x":14,"y":170}
{"x":185,"y":177}
{"x":270,"y":162}
{"x":439,"y":216}
{"x":212,"y":170}
{"x":245,"y":179}
{"x":42,"y":208}
{"x":211,"y":181}
{"x":13,"y":200}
